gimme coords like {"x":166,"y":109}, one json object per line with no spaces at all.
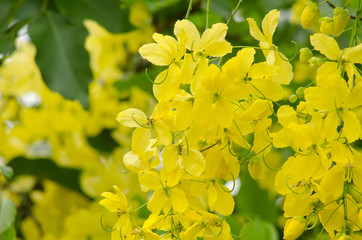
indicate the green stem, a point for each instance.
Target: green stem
{"x":207,"y":14}
{"x":353,"y":41}
{"x":188,"y":9}
{"x":233,"y":13}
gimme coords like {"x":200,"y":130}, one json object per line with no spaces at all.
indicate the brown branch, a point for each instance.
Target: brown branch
{"x":334,"y":6}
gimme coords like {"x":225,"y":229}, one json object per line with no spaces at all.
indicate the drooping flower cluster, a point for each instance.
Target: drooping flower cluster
{"x":209,"y":119}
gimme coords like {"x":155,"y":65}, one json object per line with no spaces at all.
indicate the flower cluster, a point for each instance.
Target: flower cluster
{"x":211,"y":118}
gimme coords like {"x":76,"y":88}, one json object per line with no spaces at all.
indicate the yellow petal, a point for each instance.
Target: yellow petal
{"x":353,"y":54}
{"x":239,"y":66}
{"x":270,"y":23}
{"x":163,"y":132}
{"x":194,"y":162}
{"x":127,"y":117}
{"x":332,"y":184}
{"x":354,"y":98}
{"x":351,"y":126}
{"x":213,"y":41}
{"x":178,"y":200}
{"x":168,"y":83}
{"x":173,"y":178}
{"x":285,"y":73}
{"x":157,"y":201}
{"x":266,"y":87}
{"x":225,"y":202}
{"x":150,"y":180}
{"x":211,"y":196}
{"x":255,"y":31}
{"x":155,"y":54}
{"x":190,"y":31}
{"x":326,"y":45}
{"x":140,"y":139}
{"x":286,"y":114}
{"x":133,"y":162}
{"x":169,"y":157}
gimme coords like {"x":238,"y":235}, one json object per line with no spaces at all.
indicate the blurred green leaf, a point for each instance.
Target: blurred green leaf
{"x":103,"y":141}
{"x":61,"y":57}
{"x":9,"y":234}
{"x":7,"y":40}
{"x":221,"y":8}
{"x":7,"y":171}
{"x":259,"y":229}
{"x":155,"y":6}
{"x":107,"y":13}
{"x":257,"y":202}
{"x":137,"y":80}
{"x":46,"y":169}
{"x":7,"y":214}
{"x":8,"y":9}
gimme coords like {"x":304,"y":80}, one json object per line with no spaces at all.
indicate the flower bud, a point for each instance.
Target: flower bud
{"x":340,"y":17}
{"x":304,"y":55}
{"x":300,"y":92}
{"x":327,"y":25}
{"x":315,"y":62}
{"x":309,"y":15}
{"x":294,"y":228}
{"x":293,"y":98}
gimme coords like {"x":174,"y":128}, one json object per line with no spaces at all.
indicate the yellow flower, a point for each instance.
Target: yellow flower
{"x":332,"y":95}
{"x":117,"y":203}
{"x":166,"y":195}
{"x":212,"y":42}
{"x":270,"y":51}
{"x":165,"y":51}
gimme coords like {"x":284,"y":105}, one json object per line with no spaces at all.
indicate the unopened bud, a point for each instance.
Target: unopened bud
{"x":340,"y":17}
{"x":293,"y":98}
{"x":300,"y":92}
{"x":327,"y":25}
{"x":294,"y":228}
{"x":305,"y":54}
{"x":309,"y":15}
{"x":315,"y":62}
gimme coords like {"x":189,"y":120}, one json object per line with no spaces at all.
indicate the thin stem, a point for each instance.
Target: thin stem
{"x":329,"y":218}
{"x":140,"y":207}
{"x":353,"y":41}
{"x":207,"y":148}
{"x":207,"y":14}
{"x":189,"y":9}
{"x":233,"y":13}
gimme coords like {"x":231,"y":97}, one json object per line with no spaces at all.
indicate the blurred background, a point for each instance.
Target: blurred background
{"x":68,"y":67}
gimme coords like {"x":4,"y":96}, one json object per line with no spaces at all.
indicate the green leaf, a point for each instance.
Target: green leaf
{"x":139,"y":80}
{"x":9,"y":234}
{"x":107,"y":13}
{"x":8,"y":9}
{"x":7,"y":214}
{"x":155,"y":6}
{"x":47,"y":169}
{"x":61,"y":57}
{"x":259,"y":229}
{"x":221,"y":8}
{"x":7,"y":171}
{"x":257,"y":202}
{"x":103,"y":141}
